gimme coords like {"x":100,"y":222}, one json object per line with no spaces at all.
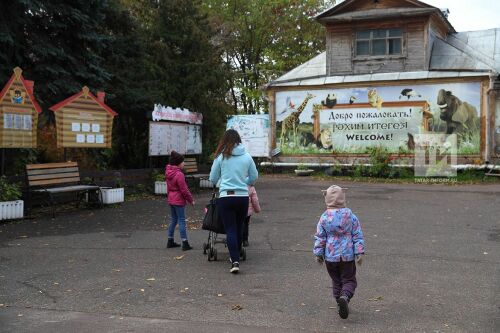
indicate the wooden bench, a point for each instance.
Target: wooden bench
{"x":192,"y":174}
{"x":51,"y":179}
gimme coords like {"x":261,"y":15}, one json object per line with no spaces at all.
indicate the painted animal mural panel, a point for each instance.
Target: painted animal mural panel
{"x":352,"y":120}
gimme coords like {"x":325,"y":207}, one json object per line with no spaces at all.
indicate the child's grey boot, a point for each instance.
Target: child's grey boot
{"x":343,"y":304}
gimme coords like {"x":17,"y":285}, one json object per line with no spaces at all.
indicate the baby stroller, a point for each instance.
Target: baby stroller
{"x":215,"y":227}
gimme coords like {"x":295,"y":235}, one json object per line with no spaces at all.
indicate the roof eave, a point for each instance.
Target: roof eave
{"x":37,"y":106}
{"x":70,"y":99}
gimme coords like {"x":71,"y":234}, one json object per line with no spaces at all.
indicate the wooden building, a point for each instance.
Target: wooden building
{"x":392,"y":69}
{"x":18,"y":113}
{"x":84,"y":121}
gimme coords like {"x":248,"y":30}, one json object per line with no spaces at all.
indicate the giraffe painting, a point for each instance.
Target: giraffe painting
{"x":291,"y":123}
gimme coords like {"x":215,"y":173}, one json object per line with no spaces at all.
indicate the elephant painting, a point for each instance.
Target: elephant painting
{"x":459,"y":116}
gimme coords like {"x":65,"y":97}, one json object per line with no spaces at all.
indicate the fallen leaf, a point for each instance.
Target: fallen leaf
{"x":179,"y":257}
{"x":237,"y":307}
{"x":376,"y":299}
{"x":151,"y":279}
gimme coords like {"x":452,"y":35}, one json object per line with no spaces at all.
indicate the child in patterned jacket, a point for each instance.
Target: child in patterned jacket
{"x":339,"y":241}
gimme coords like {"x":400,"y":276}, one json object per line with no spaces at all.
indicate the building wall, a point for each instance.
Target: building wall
{"x":341,"y":59}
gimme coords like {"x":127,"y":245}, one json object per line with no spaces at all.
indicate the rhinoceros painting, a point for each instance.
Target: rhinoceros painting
{"x":460,"y":117}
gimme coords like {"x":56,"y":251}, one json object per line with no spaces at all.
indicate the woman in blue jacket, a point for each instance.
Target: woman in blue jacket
{"x":235,"y":169}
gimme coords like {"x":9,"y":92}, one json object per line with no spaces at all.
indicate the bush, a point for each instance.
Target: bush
{"x":379,"y":159}
{"x":157,"y":176}
{"x":401,"y":173}
{"x":362,"y":171}
{"x":9,"y":191}
{"x":335,"y":170}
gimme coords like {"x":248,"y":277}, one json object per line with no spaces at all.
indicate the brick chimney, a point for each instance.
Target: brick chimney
{"x":29,"y":86}
{"x":100,"y":96}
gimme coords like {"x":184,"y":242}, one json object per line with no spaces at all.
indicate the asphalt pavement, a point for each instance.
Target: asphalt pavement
{"x":432,"y":265}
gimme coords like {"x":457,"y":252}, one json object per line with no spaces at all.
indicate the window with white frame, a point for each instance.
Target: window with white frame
{"x":379,"y":42}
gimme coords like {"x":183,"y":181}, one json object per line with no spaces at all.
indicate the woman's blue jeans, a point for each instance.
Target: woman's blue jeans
{"x":178,"y":217}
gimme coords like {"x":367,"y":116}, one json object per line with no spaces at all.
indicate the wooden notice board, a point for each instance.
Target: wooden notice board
{"x":84,"y":121}
{"x":18,"y":113}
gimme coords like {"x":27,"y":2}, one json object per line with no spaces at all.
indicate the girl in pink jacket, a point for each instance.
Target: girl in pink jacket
{"x":253,"y":206}
{"x":177,"y":196}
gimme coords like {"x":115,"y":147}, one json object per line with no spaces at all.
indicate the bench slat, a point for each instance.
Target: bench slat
{"x":54,"y":181}
{"x":51,"y":165}
{"x":190,"y":165}
{"x":51,"y":171}
{"x":54,"y":176}
{"x":69,"y":189}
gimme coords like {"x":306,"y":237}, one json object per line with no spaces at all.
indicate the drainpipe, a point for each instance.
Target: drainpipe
{"x":493,"y":75}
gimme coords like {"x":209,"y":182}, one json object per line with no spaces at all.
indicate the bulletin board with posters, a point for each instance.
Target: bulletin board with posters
{"x":254,"y":132}
{"x":165,"y":137}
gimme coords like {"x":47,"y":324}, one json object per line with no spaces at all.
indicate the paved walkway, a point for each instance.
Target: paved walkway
{"x":433,"y":265}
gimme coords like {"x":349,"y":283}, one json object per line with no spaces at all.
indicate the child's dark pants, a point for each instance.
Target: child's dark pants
{"x":343,"y":276}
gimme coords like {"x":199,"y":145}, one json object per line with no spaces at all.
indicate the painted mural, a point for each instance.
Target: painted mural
{"x":353,"y":120}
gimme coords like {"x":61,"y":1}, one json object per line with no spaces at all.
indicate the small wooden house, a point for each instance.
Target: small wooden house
{"x":84,"y":121}
{"x":18,"y":113}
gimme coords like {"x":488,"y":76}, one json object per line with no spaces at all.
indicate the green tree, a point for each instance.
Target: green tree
{"x":56,"y":43}
{"x":186,"y":66}
{"x":262,"y":40}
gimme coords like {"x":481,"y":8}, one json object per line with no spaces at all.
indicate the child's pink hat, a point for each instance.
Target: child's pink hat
{"x":334,"y":197}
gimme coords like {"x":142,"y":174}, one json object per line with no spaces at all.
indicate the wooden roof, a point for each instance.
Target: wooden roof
{"x":18,"y":76}
{"x":351,"y":10}
{"x":85,"y":92}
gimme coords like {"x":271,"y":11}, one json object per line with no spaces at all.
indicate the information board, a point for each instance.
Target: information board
{"x":165,"y":137}
{"x":254,"y":132}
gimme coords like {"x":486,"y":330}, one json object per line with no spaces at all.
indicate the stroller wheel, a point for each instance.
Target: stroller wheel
{"x":210,"y":254}
{"x":205,"y":247}
{"x":215,"y":254}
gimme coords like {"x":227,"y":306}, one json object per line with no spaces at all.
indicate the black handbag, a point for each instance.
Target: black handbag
{"x":212,"y":221}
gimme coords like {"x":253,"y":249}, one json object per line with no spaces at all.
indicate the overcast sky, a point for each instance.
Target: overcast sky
{"x":467,"y":15}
